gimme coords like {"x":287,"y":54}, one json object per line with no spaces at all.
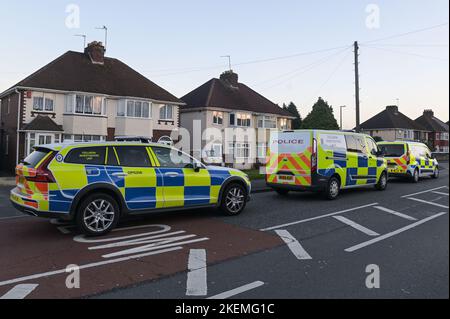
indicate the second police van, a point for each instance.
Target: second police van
{"x":321,"y":160}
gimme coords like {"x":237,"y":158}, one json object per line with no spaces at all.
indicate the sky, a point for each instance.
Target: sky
{"x":285,"y":50}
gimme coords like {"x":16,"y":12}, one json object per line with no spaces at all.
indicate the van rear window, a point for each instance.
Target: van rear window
{"x":35,"y":158}
{"x":392,"y":150}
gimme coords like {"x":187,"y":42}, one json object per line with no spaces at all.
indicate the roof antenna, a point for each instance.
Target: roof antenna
{"x":106,"y":34}
{"x":84,"y":39}
{"x":229,"y":61}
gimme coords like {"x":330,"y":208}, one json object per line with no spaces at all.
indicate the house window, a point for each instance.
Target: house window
{"x":240,"y":119}
{"x":284,"y":124}
{"x":242,"y":150}
{"x":135,"y":109}
{"x":41,"y":104}
{"x":218,"y":118}
{"x":444,"y":136}
{"x":232,"y":118}
{"x":83,"y":138}
{"x":166,"y":112}
{"x":85,"y":104}
{"x":262,"y":150}
{"x":267,"y":122}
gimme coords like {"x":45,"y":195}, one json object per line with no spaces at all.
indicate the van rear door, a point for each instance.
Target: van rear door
{"x":289,"y":158}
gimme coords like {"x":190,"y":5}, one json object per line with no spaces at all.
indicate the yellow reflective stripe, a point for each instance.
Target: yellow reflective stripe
{"x":117,"y":156}
{"x":106,"y":155}
{"x":153,"y":156}
{"x":152,"y":160}
{"x":43,"y":159}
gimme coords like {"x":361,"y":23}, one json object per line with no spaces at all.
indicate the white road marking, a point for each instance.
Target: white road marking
{"x":14,"y":217}
{"x":391,"y":234}
{"x":86,"y":266}
{"x":19,"y":291}
{"x":64,"y":230}
{"x":236,"y":291}
{"x":196,"y":284}
{"x":440,"y":193}
{"x":427,"y":202}
{"x":293,"y":244}
{"x":393,"y":212}
{"x":356,"y":226}
{"x":317,"y":217}
{"x":423,"y":192}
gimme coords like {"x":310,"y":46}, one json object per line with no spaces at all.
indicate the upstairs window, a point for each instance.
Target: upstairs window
{"x":218,"y":118}
{"x":284,"y":124}
{"x":41,"y":104}
{"x":267,"y":122}
{"x":166,"y":112}
{"x":86,"y":104}
{"x":136,"y":109}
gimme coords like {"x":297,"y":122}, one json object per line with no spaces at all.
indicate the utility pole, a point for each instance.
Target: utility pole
{"x":356,"y":49}
{"x":341,"y":107}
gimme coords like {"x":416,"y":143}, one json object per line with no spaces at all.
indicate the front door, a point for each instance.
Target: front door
{"x":183,"y":186}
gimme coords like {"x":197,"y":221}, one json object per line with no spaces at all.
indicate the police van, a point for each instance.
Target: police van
{"x":412,"y":160}
{"x":320,"y":160}
{"x":96,"y":184}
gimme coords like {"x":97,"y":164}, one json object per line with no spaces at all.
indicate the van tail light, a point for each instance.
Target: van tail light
{"x":314,"y":156}
{"x":43,"y":174}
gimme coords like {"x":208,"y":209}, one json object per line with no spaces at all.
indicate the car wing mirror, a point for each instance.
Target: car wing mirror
{"x":197,"y":166}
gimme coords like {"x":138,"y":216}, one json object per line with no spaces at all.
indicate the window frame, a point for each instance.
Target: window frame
{"x":87,"y":109}
{"x":193,"y":160}
{"x":164,"y":110}
{"x":120,"y":163}
{"x":218,"y":117}
{"x":82,"y":148}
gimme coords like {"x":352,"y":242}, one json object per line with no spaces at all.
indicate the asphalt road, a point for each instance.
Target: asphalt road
{"x":297,"y":246}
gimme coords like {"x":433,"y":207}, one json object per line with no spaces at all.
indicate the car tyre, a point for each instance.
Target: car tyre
{"x":382,"y":182}
{"x":333,"y":188}
{"x":415,"y":177}
{"x":234,"y":199}
{"x":435,"y":173}
{"x":97,"y":214}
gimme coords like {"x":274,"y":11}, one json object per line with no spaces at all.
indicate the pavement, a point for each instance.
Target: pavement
{"x":365,"y":244}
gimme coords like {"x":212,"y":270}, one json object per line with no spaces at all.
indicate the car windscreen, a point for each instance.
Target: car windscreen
{"x":392,"y":150}
{"x":35,"y":157}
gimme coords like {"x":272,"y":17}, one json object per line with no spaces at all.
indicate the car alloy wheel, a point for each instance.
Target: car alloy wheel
{"x":98,"y":216}
{"x":235,"y":199}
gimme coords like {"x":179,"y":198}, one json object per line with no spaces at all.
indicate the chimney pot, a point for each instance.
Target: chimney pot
{"x":429,"y":113}
{"x":96,"y":52}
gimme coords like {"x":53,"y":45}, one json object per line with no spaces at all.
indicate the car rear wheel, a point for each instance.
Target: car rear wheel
{"x":233,"y":199}
{"x":435,"y":173}
{"x":382,"y":182}
{"x":415,"y":176}
{"x":97,"y":214}
{"x":333,"y":188}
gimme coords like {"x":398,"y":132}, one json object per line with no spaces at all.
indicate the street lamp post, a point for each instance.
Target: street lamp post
{"x":340,"y":109}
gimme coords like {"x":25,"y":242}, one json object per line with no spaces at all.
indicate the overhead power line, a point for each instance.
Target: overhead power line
{"x":406,"y":53}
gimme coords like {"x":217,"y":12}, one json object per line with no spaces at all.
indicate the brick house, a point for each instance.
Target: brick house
{"x":438,"y":131}
{"x":392,"y":125}
{"x":226,"y":103}
{"x":82,"y":97}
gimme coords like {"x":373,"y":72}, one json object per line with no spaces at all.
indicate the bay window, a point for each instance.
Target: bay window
{"x":240,"y":119}
{"x":267,"y":122}
{"x":87,"y":104}
{"x":284,"y":124}
{"x":218,"y":118}
{"x":262,"y":150}
{"x":135,"y":109}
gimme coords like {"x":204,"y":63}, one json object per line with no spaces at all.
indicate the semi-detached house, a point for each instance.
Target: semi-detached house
{"x":82,"y":96}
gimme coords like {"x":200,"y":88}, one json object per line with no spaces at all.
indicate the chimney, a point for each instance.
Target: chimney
{"x":392,"y":108}
{"x":428,"y":113}
{"x":96,"y":52}
{"x":230,"y":78}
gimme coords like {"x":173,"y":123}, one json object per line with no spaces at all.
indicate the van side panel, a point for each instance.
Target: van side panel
{"x":289,"y":158}
{"x":332,"y":155}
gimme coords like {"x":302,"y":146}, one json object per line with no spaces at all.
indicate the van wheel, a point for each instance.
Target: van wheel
{"x":435,"y":173}
{"x":281,"y":191}
{"x":415,"y":176}
{"x":97,"y":214}
{"x":333,"y":188}
{"x":233,"y":199}
{"x":382,"y":182}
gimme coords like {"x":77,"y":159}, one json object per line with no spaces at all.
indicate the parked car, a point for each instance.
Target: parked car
{"x":320,"y":160}
{"x":97,"y":184}
{"x":412,"y":160}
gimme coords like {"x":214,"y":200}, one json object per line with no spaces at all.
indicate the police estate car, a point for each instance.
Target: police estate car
{"x":96,"y":184}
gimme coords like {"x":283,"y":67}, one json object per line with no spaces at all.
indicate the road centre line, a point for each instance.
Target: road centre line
{"x":423,"y":192}
{"x":236,"y":291}
{"x":86,"y":266}
{"x":196,"y":284}
{"x":391,"y":234}
{"x":19,"y":291}
{"x":356,"y":226}
{"x":293,"y":244}
{"x":318,"y":217}
{"x":393,"y":212}
{"x":427,"y":202}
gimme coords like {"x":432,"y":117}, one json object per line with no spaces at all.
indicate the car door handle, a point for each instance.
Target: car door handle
{"x":119,"y":174}
{"x":172,"y":174}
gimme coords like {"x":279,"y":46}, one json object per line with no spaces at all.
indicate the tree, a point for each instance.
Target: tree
{"x":321,"y":117}
{"x":292,"y":108}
